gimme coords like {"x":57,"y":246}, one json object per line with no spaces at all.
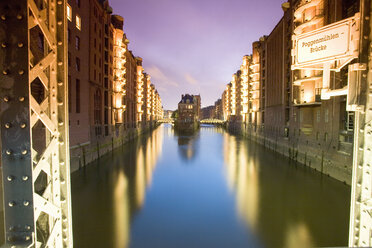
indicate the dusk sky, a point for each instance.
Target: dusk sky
{"x":194,"y":46}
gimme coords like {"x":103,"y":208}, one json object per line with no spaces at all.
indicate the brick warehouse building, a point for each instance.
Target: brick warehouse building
{"x":287,"y":111}
{"x":106,"y":97}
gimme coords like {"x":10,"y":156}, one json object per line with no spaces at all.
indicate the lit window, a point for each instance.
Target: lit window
{"x":78,"y":22}
{"x":69,"y":13}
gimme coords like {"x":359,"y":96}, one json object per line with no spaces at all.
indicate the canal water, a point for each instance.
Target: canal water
{"x":210,"y":189}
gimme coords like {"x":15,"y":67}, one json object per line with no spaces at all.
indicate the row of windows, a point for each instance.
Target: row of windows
{"x":77,"y":18}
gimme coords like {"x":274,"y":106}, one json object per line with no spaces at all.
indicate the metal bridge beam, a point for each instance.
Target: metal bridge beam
{"x":34,"y":123}
{"x":360,"y":234}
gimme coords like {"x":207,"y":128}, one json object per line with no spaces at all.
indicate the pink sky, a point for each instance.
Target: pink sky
{"x":194,"y":46}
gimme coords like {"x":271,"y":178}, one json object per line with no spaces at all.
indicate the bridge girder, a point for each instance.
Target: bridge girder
{"x":34,"y":123}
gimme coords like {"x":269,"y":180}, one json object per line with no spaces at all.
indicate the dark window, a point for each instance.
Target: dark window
{"x":77,"y":96}
{"x":95,"y":43}
{"x":95,"y":27}
{"x":106,"y":43}
{"x":106,"y":29}
{"x":95,"y":73}
{"x":106,"y":56}
{"x":77,"y":43}
{"x":95,"y":59}
{"x":69,"y":93}
{"x":77,"y":64}
{"x":106,"y":100}
{"x":106,"y":69}
{"x":106,"y":82}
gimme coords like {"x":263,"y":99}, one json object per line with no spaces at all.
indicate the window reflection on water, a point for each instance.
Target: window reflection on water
{"x":128,"y":184}
{"x":213,"y":185}
{"x":283,"y":204}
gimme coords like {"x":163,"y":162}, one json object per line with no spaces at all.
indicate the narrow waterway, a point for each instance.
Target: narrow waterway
{"x":211,"y":189}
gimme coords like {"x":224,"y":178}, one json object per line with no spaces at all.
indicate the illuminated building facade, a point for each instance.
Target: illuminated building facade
{"x":109,"y":92}
{"x":119,"y":70}
{"x":294,"y":103}
{"x":139,"y":89}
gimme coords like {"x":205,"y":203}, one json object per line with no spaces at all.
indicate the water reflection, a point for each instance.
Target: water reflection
{"x":188,"y":144}
{"x":281,"y":203}
{"x":120,"y":181}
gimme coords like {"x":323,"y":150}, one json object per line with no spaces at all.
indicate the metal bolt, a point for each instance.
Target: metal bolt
{"x":27,"y":238}
{"x":7,"y":125}
{"x":60,"y":63}
{"x":21,"y":98}
{"x":26,"y":203}
{"x":21,"y":72}
{"x":5,"y":72}
{"x":27,"y":227}
{"x":10,"y":178}
{"x":3,"y":17}
{"x":25,"y":178}
{"x":20,"y":44}
{"x":24,"y":152}
{"x":59,"y":2}
{"x":19,"y":17}
{"x":23,"y":125}
{"x":6,"y":99}
{"x":11,"y":204}
{"x":8,"y":152}
{"x":3,"y":45}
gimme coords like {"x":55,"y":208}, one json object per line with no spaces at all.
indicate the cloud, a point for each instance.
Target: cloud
{"x":190,"y":79}
{"x":159,"y":77}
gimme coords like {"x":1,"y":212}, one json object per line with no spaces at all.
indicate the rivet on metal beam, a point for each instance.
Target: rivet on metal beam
{"x":21,"y":72}
{"x":23,"y":125}
{"x":60,"y":83}
{"x":20,"y":44}
{"x":8,"y":152}
{"x":59,"y":23}
{"x":11,"y":204}
{"x":27,"y":238}
{"x":7,"y":125}
{"x":60,"y":63}
{"x":26,"y":203}
{"x":59,"y":43}
{"x":24,"y":152}
{"x":5,"y":72}
{"x":27,"y":227}
{"x":3,"y":17}
{"x":6,"y":98}
{"x":3,"y":45}
{"x":10,"y":178}
{"x":25,"y":178}
{"x":59,"y":2}
{"x":19,"y":17}
{"x":60,"y":123}
{"x":21,"y":98}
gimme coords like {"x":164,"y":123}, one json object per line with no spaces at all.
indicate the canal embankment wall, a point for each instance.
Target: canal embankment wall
{"x":82,"y":155}
{"x":319,"y":156}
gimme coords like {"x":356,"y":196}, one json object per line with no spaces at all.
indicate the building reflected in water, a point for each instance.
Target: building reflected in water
{"x":127,"y":174}
{"x":188,"y":145}
{"x":273,"y":207}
